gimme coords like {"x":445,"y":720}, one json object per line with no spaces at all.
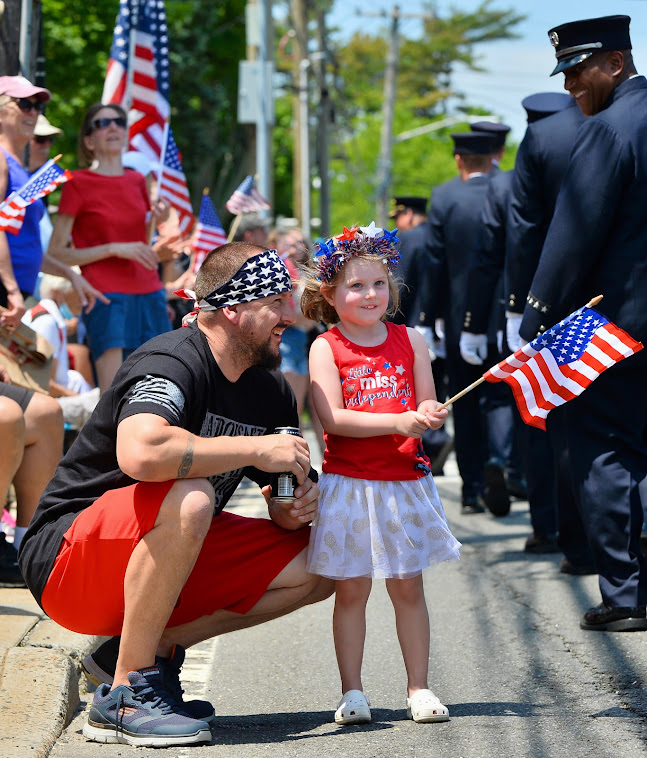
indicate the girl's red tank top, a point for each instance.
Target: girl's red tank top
{"x":375,"y":380}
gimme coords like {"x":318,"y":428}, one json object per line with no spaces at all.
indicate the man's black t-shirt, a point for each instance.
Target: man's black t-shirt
{"x":174,"y":376}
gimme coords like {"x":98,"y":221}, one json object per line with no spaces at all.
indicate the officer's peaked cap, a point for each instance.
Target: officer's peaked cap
{"x":474,"y":143}
{"x":402,"y":203}
{"x":578,"y":40}
{"x":543,"y":104}
{"x":493,"y":128}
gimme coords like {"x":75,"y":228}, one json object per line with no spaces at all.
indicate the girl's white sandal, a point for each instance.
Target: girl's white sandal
{"x":423,"y":707}
{"x":353,"y":708}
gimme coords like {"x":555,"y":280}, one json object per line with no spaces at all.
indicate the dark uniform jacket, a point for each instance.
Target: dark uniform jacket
{"x":416,"y":270}
{"x":455,"y":220}
{"x":539,"y":170}
{"x":484,"y":300}
{"x":597,"y":241}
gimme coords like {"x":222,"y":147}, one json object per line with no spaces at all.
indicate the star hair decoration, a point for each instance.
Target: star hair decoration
{"x":369,"y":240}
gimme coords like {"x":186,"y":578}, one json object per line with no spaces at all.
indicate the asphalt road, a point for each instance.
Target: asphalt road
{"x":507,"y":657}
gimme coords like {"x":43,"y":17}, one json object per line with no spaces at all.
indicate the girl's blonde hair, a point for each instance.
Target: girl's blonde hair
{"x":315,"y":306}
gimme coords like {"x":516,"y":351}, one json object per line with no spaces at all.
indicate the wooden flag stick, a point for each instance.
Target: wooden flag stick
{"x":447,"y":403}
{"x":594,"y":301}
{"x":233,"y":227}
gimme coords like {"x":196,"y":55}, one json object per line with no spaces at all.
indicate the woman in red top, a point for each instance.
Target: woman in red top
{"x":105,"y":211}
{"x":379,"y":515}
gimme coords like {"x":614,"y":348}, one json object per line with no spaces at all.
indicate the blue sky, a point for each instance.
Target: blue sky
{"x":514,"y":68}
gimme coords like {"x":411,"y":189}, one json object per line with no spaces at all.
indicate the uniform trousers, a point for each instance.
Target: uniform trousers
{"x":606,"y":435}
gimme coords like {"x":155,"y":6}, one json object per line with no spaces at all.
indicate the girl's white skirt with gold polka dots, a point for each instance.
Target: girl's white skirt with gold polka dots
{"x":378,"y":529}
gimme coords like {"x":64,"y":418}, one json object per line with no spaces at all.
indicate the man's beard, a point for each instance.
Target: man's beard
{"x":265,"y":358}
{"x":261,"y":354}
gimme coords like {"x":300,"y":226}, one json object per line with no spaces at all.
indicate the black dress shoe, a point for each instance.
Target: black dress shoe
{"x":540,"y":543}
{"x":576,"y":569}
{"x":603,"y":618}
{"x":517,"y":488}
{"x":495,"y":492}
{"x":472,"y":504}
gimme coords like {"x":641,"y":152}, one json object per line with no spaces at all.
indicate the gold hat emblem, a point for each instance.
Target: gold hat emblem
{"x":554,"y":38}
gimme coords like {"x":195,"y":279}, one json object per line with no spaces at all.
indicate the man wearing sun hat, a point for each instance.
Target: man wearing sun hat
{"x":595,"y":245}
{"x":41,"y":143}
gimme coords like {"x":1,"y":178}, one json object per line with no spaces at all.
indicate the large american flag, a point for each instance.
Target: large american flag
{"x":138,"y":79}
{"x":208,"y":232}
{"x":246,"y":198}
{"x":560,"y":364}
{"x":44,"y":181}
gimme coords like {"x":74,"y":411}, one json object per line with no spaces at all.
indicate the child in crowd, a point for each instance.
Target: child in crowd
{"x":379,"y":514}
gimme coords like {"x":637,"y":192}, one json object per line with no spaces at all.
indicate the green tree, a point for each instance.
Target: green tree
{"x":424,"y":85}
{"x":207,"y":40}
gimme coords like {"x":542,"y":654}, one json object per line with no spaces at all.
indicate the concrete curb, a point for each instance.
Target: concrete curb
{"x":40,"y":666}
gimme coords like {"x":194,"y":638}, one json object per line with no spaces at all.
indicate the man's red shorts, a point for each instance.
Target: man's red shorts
{"x":239,"y":559}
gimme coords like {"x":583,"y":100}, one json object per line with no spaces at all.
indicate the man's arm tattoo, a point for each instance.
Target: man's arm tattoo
{"x":187,"y":459}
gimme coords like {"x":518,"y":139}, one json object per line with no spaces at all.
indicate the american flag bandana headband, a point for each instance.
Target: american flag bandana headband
{"x":260,"y":276}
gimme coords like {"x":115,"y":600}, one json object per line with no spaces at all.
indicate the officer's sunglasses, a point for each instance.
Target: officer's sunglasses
{"x":104,"y":123}
{"x":26,"y":105}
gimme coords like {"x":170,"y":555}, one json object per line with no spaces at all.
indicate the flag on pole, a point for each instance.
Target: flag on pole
{"x":173,"y":184}
{"x":209,"y":232}
{"x":138,"y":79}
{"x":44,"y":181}
{"x":560,"y":364}
{"x":246,"y":199}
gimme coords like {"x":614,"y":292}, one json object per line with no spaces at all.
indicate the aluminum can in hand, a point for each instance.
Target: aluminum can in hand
{"x":284,"y":483}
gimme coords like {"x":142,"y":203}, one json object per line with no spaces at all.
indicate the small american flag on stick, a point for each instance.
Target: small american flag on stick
{"x":560,"y":364}
{"x":209,"y":233}
{"x":246,"y":199}
{"x":44,"y":181}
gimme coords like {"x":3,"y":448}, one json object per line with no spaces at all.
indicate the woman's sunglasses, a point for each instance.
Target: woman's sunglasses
{"x":104,"y":123}
{"x":42,"y":139}
{"x":27,"y":105}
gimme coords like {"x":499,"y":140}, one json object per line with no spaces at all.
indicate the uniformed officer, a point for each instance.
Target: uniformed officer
{"x":596,"y":244}
{"x":454,"y":219}
{"x":408,"y":211}
{"x":539,"y":170}
{"x":484,"y":308}
{"x":410,"y":216}
{"x":415,"y":270}
{"x":502,"y":473}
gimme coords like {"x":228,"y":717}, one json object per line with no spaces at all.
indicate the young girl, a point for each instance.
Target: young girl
{"x":379,"y":510}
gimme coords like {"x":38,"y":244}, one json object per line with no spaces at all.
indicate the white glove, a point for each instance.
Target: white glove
{"x":428,"y":334}
{"x":440,"y":328}
{"x":473,"y":348}
{"x":512,"y":326}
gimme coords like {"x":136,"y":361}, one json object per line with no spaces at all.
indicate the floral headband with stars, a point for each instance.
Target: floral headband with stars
{"x":331,"y":256}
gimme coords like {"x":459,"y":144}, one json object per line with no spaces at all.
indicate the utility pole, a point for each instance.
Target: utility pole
{"x":324,"y":118}
{"x":255,"y":103}
{"x":26,"y":10}
{"x":385,"y":163}
{"x":300,"y":167}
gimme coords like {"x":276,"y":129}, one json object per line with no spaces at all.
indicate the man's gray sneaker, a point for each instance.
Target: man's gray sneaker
{"x":143,"y":714}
